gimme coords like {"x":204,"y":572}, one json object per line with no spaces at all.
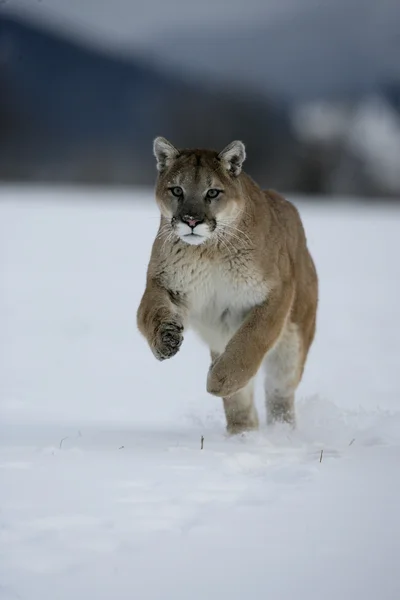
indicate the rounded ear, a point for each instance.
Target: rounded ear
{"x":164,"y":152}
{"x":233,"y":157}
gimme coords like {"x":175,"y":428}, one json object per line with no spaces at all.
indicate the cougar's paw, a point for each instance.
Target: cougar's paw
{"x":168,"y":340}
{"x":223,"y":379}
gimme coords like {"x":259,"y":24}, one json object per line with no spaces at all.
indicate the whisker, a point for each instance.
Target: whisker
{"x":232,"y":235}
{"x":162,"y":234}
{"x":222,"y":241}
{"x":234,"y":228}
{"x":164,"y":228}
{"x":167,"y":239}
{"x":221,"y":233}
{"x":242,"y":232}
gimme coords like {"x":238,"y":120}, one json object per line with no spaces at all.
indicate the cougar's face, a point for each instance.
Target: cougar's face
{"x":197,"y":192}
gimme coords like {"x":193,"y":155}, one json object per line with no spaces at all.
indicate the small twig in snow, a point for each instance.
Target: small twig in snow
{"x":352,"y":441}
{"x":66,"y":437}
{"x":121,"y":447}
{"x":320,"y":458}
{"x":202,"y":442}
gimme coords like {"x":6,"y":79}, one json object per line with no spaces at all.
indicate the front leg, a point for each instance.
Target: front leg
{"x":243,"y":355}
{"x":160,"y":320}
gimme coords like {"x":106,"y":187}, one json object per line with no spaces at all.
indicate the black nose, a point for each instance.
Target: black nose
{"x":191,"y":221}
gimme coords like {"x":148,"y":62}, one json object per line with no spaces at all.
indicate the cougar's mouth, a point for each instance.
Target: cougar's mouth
{"x":193,"y":235}
{"x":193,"y":238}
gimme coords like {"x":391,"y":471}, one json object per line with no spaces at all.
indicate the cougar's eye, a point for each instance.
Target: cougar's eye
{"x":177,"y":191}
{"x":213,"y":193}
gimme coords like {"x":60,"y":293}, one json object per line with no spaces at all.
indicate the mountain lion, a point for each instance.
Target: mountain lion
{"x":231,"y":261}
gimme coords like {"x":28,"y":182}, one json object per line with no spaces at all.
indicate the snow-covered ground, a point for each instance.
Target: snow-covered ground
{"x":104,"y":491}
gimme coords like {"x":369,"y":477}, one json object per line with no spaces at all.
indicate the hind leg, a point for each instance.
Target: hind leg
{"x":240,"y":411}
{"x":284,"y":367}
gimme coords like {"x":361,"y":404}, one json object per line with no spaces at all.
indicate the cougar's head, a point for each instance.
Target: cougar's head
{"x":199,"y":191}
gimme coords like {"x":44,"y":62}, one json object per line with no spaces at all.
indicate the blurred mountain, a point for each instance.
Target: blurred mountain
{"x":72,"y":113}
{"x":316,"y":101}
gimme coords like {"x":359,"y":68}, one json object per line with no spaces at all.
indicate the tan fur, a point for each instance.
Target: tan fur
{"x":249,"y":288}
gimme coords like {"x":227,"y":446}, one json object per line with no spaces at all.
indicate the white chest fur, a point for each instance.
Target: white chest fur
{"x":219,"y":298}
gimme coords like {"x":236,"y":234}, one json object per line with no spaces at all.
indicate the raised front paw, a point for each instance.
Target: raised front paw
{"x":168,"y":340}
{"x":225,"y":379}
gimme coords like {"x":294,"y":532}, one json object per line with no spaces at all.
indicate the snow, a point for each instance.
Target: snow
{"x":104,"y":490}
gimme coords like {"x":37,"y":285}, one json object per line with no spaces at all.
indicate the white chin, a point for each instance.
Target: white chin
{"x":193,"y":239}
